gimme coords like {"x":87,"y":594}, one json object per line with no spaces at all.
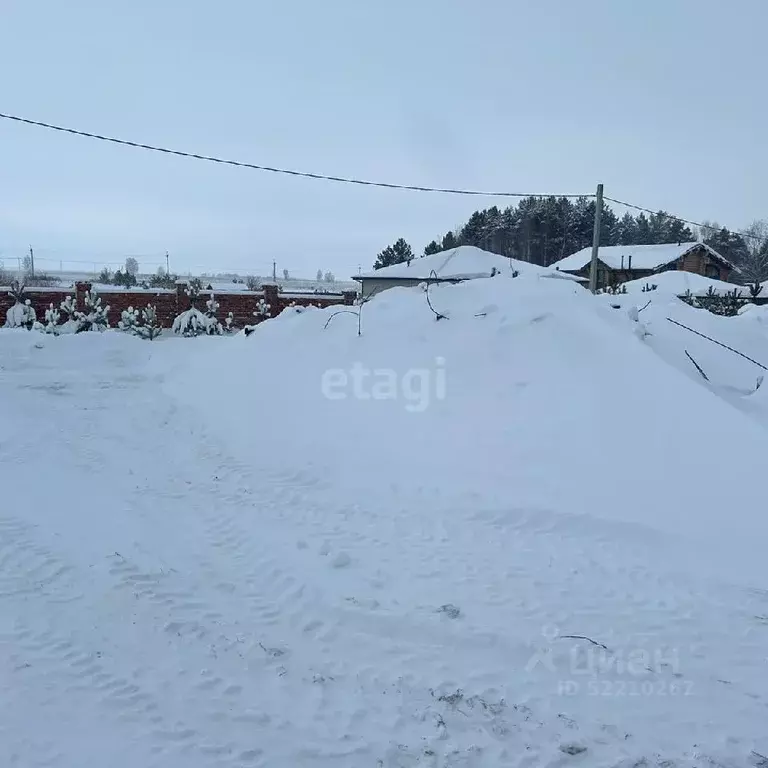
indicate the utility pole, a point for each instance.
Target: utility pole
{"x":274,"y":271}
{"x":596,"y":239}
{"x":32,"y":261}
{"x":167,"y":264}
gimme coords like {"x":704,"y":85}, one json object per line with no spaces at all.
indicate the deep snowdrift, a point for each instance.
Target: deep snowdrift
{"x":678,"y":282}
{"x":530,"y":393}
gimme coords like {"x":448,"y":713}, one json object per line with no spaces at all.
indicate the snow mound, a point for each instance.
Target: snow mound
{"x":725,"y":355}
{"x":546,"y":402}
{"x":678,"y":282}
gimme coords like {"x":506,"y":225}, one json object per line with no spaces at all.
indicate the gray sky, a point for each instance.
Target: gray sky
{"x":662,"y":100}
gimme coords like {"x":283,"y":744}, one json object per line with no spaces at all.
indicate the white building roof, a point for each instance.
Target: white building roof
{"x":462,"y":263}
{"x":642,"y":256}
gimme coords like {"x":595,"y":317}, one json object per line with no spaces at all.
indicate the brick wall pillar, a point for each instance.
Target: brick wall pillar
{"x":272,"y":297}
{"x":81,"y":288}
{"x":182,"y":300}
{"x":349,"y":297}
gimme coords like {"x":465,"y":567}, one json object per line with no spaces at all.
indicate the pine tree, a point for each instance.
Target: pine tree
{"x":95,"y":317}
{"x":262,"y":310}
{"x":475,"y":230}
{"x":52,"y":317}
{"x":129,"y":319}
{"x":729,"y":244}
{"x":433,"y":247}
{"x":678,"y":232}
{"x":69,"y":308}
{"x":125,"y":279}
{"x":642,"y":230}
{"x":397,"y":253}
{"x":319,"y":275}
{"x":658,"y":223}
{"x":626,"y":230}
{"x":193,"y":290}
{"x":449,"y":241}
{"x":608,"y":226}
{"x":213,"y":326}
{"x":150,"y":327}
{"x":162,"y":279}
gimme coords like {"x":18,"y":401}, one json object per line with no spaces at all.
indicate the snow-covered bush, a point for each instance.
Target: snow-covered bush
{"x":129,"y":320}
{"x":212,"y":306}
{"x":150,"y":327}
{"x":726,"y":304}
{"x":191,"y":322}
{"x":69,"y":309}
{"x":52,"y":318}
{"x":22,"y":313}
{"x":298,"y":308}
{"x":95,"y":317}
{"x":229,"y":323}
{"x":262,"y":310}
{"x":614,"y":290}
{"x":213,"y":325}
{"x":21,"y":316}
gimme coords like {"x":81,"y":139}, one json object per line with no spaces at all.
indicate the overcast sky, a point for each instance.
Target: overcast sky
{"x":662,"y":100}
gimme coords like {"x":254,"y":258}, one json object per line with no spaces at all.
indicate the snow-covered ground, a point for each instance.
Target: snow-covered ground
{"x":678,"y":282}
{"x":527,"y":534}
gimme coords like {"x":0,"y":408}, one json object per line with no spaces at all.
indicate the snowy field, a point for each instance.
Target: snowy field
{"x":527,"y":534}
{"x":224,"y":284}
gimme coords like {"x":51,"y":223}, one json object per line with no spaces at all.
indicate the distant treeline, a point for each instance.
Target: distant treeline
{"x":545,"y":230}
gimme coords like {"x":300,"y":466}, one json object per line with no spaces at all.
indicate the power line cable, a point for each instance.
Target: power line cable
{"x":253,"y":166}
{"x":347,"y":180}
{"x":678,"y":218}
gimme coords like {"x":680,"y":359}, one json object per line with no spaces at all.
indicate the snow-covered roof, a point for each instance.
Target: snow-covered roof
{"x":642,"y":256}
{"x":462,"y":263}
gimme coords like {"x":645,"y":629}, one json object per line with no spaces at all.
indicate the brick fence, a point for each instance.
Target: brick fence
{"x":169,"y":303}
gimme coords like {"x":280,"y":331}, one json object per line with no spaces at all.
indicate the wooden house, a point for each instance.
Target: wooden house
{"x":621,"y":263}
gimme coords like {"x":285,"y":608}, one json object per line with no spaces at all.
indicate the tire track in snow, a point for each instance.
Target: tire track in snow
{"x":86,"y":673}
{"x":27,"y":568}
{"x":265,"y":591}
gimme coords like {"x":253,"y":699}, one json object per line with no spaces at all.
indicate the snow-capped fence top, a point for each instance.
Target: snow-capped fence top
{"x":169,"y":304}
